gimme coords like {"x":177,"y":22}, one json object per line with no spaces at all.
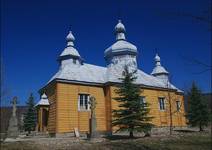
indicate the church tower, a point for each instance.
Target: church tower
{"x":70,"y":55}
{"x":159,"y":71}
{"x":120,"y":54}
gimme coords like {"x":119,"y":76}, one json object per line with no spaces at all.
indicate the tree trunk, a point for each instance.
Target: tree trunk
{"x":200,"y":127}
{"x":170,"y":112}
{"x":170,"y":115}
{"x":169,"y":99}
{"x":131,"y":134}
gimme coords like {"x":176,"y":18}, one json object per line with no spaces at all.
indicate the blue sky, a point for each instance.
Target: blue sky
{"x":33,"y":35}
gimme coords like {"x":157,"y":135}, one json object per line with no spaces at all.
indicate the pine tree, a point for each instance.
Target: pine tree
{"x":30,"y":116}
{"x":132,"y":115}
{"x":198,"y":114}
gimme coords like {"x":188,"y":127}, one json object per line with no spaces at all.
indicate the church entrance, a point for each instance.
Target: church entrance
{"x":45,"y":115}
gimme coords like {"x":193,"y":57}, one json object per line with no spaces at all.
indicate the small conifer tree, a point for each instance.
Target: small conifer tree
{"x":132,"y":115}
{"x":30,"y":116}
{"x":198,"y":114}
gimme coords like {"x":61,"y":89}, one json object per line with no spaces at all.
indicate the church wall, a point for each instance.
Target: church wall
{"x":64,"y":115}
{"x":40,"y":126}
{"x":51,"y":94}
{"x":68,"y":116}
{"x":161,"y":118}
{"x":108,"y":111}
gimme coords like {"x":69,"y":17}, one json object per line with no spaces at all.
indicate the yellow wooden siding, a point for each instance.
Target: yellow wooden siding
{"x":51,"y":94}
{"x":67,"y":109}
{"x":108,"y":110}
{"x":161,"y":118}
{"x":64,"y":115}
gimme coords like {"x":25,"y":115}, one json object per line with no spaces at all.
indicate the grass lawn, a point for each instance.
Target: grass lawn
{"x":185,"y":141}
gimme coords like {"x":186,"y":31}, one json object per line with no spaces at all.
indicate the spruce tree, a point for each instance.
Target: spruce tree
{"x":30,"y":116}
{"x":132,"y":115}
{"x":198,"y":114}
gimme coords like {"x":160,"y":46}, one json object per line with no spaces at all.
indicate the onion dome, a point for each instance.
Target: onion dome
{"x":119,"y":31}
{"x":43,"y":101}
{"x":70,"y":39}
{"x":158,"y":69}
{"x":121,"y":46}
{"x":157,"y":59}
{"x":70,"y":52}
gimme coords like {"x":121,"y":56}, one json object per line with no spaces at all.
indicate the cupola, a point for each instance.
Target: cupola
{"x":120,"y":31}
{"x":70,"y":55}
{"x":43,"y":101}
{"x":121,"y":47}
{"x":159,"y":71}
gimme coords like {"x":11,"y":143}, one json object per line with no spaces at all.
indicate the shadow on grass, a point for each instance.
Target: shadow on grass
{"x":127,"y":145}
{"x":120,"y":137}
{"x":185,"y":131}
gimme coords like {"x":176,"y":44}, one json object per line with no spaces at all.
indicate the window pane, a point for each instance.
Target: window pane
{"x":163,"y":107}
{"x":86,"y":102}
{"x":143,"y":100}
{"x":178,"y":105}
{"x":83,"y":101}
{"x":162,"y":103}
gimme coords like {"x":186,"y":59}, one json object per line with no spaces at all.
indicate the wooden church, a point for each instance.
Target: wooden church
{"x":64,"y":103}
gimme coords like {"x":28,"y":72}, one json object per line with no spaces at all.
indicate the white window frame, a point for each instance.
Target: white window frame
{"x":143,"y":100}
{"x":84,"y":107}
{"x":164,"y":103}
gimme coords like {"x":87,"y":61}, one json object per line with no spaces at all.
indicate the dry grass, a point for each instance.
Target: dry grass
{"x":185,"y":141}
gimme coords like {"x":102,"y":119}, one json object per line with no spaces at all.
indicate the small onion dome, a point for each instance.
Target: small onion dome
{"x":120,"y":27}
{"x":157,"y":58}
{"x":158,"y":69}
{"x":70,"y":39}
{"x":43,"y":101}
{"x":44,"y":96}
{"x":70,"y":51}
